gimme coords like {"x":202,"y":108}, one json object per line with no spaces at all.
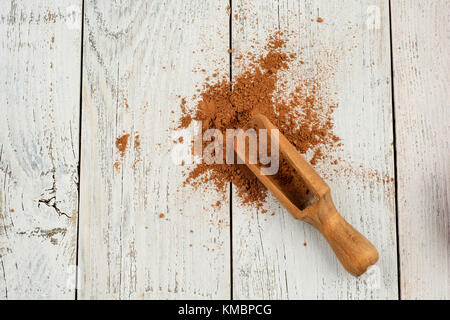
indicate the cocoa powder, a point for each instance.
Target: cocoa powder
{"x":121,"y":143}
{"x":304,"y":116}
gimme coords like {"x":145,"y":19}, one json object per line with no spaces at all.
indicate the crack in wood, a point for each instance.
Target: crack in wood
{"x":52,"y":203}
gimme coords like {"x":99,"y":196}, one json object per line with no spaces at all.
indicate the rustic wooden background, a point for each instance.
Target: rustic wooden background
{"x":75,"y":75}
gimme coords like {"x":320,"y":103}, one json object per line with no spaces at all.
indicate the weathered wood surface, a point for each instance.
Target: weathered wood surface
{"x":40,"y":50}
{"x":138,"y":63}
{"x":139,"y":58}
{"x":421,"y":49}
{"x":269,"y":256}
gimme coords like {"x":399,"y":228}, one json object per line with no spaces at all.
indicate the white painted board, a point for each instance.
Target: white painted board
{"x":421,"y":51}
{"x":40,"y":50}
{"x":270,"y":260}
{"x":139,"y":58}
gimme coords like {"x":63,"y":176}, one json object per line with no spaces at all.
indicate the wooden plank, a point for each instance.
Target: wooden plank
{"x":421,"y":44}
{"x":270,"y":260}
{"x":40,"y":49}
{"x":138,"y":61}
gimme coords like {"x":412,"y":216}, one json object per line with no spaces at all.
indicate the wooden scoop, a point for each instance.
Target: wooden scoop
{"x":353,"y":250}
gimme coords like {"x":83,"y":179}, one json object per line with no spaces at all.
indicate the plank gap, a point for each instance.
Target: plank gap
{"x":395,"y":152}
{"x":230,"y":46}
{"x":79,"y":153}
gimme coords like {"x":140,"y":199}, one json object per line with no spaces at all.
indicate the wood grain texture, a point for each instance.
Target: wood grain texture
{"x":269,"y":256}
{"x":40,"y":47}
{"x":421,"y":46}
{"x":139,"y":58}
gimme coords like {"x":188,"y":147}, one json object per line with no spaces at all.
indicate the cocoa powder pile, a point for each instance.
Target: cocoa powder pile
{"x":303,"y":115}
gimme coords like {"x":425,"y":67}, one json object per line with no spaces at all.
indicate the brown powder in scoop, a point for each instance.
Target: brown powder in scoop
{"x":303,"y":115}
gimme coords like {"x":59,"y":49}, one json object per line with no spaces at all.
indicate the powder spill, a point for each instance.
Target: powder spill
{"x":137,"y":142}
{"x":303,"y":115}
{"x":121,"y":143}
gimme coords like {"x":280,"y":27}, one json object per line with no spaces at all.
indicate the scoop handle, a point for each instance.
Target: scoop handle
{"x":353,"y":250}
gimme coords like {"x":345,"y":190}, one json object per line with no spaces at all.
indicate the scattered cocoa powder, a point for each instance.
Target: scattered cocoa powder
{"x":121,"y":143}
{"x":186,"y":118}
{"x":137,"y":142}
{"x":304,"y":116}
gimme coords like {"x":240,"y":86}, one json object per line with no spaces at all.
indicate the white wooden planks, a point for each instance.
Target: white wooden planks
{"x":40,"y":46}
{"x":139,"y":57}
{"x":421,"y":46}
{"x":269,"y":258}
